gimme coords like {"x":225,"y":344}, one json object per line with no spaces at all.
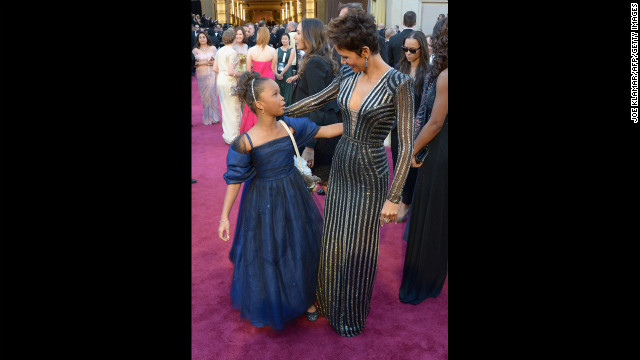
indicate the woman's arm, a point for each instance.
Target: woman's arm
{"x":314,"y":102}
{"x":439,"y":112}
{"x":274,"y":62}
{"x":229,"y":199}
{"x":329,"y":131}
{"x":249,"y":61}
{"x":232,"y":64}
{"x":404,"y":117}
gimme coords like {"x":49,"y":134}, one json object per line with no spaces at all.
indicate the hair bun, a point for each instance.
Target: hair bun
{"x":244,"y":85}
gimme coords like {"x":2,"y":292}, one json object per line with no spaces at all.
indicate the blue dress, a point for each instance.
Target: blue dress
{"x":276,"y":245}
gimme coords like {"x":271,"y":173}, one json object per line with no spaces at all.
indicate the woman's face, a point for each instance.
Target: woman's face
{"x":353,"y":60}
{"x":239,"y":36}
{"x":299,"y":38}
{"x":412,"y":44}
{"x":285,"y":40}
{"x":270,"y":99}
{"x":429,"y":45}
{"x":202,"y":38}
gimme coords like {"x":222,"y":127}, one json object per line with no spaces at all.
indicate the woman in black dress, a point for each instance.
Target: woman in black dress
{"x":316,"y":72}
{"x":425,"y":264}
{"x":371,"y":96}
{"x":415,"y":63}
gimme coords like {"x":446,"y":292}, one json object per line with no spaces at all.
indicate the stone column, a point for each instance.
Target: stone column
{"x":223,"y":14}
{"x":207,"y":8}
{"x":378,"y":9}
{"x":320,"y":10}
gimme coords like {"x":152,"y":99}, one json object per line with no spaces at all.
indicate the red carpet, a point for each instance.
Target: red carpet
{"x":393,"y":330}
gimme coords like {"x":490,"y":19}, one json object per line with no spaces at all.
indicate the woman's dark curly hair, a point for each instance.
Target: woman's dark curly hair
{"x":246,"y":93}
{"x":440,"y":44}
{"x":353,"y":31}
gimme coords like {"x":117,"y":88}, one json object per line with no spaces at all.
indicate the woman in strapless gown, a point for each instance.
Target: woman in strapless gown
{"x":204,"y":53}
{"x":266,"y":68}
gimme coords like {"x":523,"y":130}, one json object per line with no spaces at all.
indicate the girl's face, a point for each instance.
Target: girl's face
{"x":412,"y":44}
{"x":429,"y":44}
{"x":270,"y":99}
{"x":239,"y":36}
{"x":353,"y":60}
{"x":300,"y":45}
{"x":285,"y":40}
{"x":202,"y":39}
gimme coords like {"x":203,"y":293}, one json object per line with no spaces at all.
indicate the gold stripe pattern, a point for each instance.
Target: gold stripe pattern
{"x":358,"y":187}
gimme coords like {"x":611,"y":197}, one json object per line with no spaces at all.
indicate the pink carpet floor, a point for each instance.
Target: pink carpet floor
{"x":393,"y":330}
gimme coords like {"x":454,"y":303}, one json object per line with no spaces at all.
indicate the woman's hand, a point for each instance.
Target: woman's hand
{"x":292,"y":78}
{"x":223,"y":230}
{"x":307,"y":155}
{"x":279,"y":76}
{"x":415,"y":163}
{"x":389,"y":213}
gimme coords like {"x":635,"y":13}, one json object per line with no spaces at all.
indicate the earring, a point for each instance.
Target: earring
{"x":366,"y":59}
{"x":262,"y":110}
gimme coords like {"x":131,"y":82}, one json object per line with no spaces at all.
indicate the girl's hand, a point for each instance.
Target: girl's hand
{"x":389,"y":213}
{"x":307,"y":155}
{"x":279,"y":76}
{"x":223,"y":230}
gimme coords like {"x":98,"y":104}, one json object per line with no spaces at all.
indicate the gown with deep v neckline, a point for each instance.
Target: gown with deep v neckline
{"x":276,"y":243}
{"x":358,"y":188}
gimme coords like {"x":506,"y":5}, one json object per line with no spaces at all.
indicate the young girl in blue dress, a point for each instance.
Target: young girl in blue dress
{"x":276,"y":245}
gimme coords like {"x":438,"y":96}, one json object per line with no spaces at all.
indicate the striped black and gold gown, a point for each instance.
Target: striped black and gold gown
{"x":358,"y":187}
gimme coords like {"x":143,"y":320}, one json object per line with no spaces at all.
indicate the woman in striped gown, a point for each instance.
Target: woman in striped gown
{"x":371,"y":96}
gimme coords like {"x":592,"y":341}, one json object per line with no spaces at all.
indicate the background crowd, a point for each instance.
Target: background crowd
{"x":302,"y":61}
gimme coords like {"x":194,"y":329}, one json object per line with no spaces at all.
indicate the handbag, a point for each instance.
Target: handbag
{"x":310,"y":181}
{"x":422,"y":154}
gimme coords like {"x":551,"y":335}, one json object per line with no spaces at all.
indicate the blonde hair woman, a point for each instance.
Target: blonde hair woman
{"x":263,"y":59}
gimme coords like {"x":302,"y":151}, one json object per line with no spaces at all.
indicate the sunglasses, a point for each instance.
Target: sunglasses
{"x":413,"y":51}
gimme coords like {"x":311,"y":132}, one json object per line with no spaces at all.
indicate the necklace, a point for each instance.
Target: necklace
{"x":204,"y":49}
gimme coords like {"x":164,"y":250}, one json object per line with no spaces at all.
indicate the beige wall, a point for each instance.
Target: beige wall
{"x":430,"y":12}
{"x":425,"y":20}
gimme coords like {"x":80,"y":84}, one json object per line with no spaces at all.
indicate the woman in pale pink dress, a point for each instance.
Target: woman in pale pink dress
{"x":205,"y":53}
{"x":263,"y":59}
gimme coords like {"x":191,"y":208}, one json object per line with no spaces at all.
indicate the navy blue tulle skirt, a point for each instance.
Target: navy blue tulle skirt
{"x":275,"y":250}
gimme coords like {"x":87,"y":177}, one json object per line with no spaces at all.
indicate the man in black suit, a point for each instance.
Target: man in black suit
{"x":194,"y":35}
{"x":251,"y":35}
{"x":395,"y":42}
{"x":273,"y":39}
{"x":212,"y":35}
{"x":279,"y":34}
{"x":381,"y":30}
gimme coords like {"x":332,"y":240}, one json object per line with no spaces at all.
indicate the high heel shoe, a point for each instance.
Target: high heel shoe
{"x":312,"y":316}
